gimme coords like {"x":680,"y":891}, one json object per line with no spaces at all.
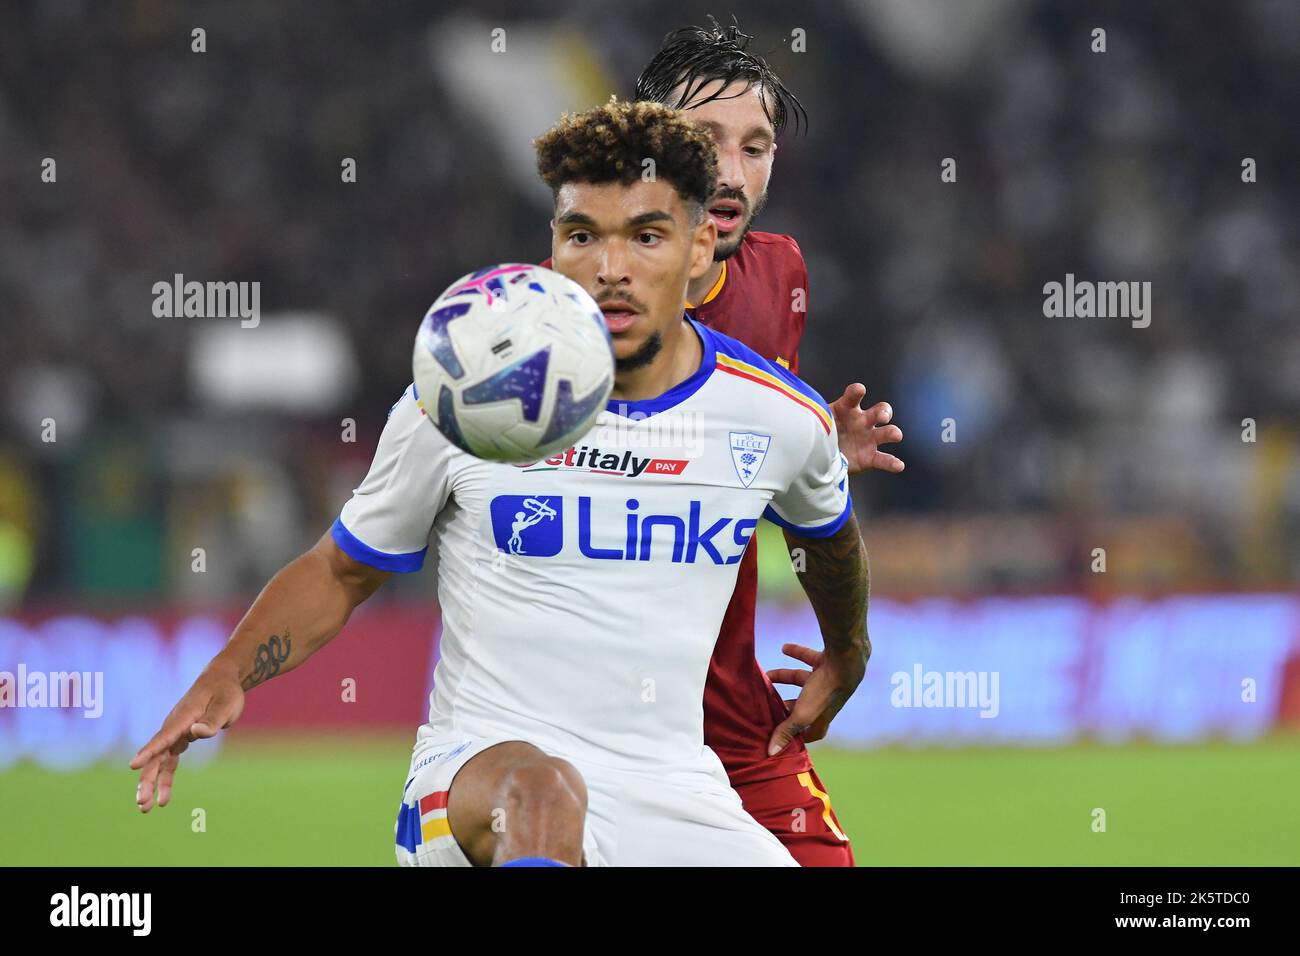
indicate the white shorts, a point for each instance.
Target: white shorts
{"x":633,"y":818}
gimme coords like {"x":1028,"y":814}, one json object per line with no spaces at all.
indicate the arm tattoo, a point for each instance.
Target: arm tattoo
{"x":837,"y":581}
{"x":268,"y":658}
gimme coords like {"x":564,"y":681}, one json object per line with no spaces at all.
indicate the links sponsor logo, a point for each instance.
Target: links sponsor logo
{"x":533,"y":526}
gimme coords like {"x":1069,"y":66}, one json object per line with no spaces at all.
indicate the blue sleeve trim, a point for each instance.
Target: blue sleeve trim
{"x":813,"y":531}
{"x":358,"y":550}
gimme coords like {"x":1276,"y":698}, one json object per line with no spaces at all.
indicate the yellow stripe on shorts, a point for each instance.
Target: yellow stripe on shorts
{"x":805,"y":778}
{"x":437,"y":827}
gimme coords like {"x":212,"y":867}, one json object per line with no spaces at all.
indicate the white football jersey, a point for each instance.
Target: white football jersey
{"x":582,"y":595}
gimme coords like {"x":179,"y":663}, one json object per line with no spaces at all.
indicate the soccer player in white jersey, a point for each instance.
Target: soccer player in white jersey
{"x":582,"y":595}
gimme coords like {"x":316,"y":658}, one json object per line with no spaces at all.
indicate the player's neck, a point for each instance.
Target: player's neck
{"x":698,"y":289}
{"x":677,"y":361}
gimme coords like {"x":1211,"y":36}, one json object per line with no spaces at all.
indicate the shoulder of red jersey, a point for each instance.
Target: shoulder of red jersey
{"x":775,"y":244}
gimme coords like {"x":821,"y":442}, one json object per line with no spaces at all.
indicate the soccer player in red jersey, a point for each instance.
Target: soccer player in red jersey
{"x":757,"y":291}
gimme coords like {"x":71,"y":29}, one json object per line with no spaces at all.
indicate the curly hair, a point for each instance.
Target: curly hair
{"x":612,"y":142}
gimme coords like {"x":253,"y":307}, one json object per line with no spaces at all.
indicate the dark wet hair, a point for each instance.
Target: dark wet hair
{"x":697,"y":56}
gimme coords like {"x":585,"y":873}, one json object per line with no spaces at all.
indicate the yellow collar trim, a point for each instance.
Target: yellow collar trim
{"x":717,"y":287}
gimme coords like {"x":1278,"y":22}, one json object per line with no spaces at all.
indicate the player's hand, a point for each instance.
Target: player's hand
{"x":825,"y":689}
{"x":798,"y":677}
{"x":214,"y":703}
{"x":863,"y":430}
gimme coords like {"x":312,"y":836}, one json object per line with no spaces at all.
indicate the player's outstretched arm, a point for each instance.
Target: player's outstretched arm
{"x":837,"y":580}
{"x":297,"y":613}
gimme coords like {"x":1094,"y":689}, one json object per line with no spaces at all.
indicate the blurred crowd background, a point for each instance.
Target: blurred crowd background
{"x":1072,"y":434}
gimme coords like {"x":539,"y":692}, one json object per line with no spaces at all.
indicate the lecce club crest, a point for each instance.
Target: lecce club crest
{"x":748,"y":450}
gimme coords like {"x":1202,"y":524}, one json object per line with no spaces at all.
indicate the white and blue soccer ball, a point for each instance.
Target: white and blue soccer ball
{"x":513,"y":363}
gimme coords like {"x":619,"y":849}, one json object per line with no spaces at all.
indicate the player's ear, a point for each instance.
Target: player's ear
{"x":705,"y":236}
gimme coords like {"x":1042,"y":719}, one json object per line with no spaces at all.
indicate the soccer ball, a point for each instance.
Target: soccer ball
{"x":513,"y":363}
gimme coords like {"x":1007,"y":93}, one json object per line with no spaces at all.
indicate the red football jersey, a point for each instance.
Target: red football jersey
{"x":761,"y":298}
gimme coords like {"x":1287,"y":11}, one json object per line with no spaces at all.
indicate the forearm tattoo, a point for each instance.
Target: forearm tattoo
{"x":837,"y":580}
{"x":268,"y":657}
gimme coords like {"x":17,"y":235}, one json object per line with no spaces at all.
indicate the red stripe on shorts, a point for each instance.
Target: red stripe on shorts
{"x":434,"y":801}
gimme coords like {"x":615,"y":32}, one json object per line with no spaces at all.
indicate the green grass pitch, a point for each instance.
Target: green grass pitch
{"x":329,"y":802}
